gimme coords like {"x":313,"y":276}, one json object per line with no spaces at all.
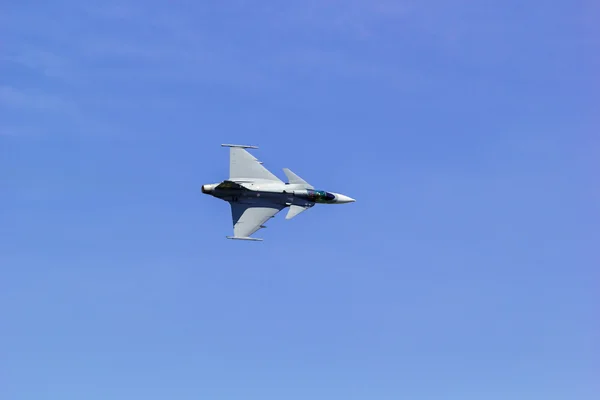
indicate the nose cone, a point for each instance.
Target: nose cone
{"x":340,"y":198}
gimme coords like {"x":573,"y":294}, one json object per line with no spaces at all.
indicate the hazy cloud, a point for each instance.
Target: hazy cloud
{"x":45,"y":62}
{"x":20,"y":99}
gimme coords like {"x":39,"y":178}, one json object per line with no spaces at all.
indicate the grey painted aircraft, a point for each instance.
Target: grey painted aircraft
{"x":255,"y":194}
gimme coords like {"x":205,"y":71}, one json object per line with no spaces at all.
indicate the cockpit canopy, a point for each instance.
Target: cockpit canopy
{"x":319,"y":196}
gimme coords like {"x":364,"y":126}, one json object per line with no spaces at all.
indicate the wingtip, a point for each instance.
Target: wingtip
{"x":243,"y":146}
{"x":244,"y":238}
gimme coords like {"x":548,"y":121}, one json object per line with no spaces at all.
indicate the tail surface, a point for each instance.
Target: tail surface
{"x":294,"y":179}
{"x":295,"y":210}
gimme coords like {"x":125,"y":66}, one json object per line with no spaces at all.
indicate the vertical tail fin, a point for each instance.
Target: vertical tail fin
{"x":295,"y":179}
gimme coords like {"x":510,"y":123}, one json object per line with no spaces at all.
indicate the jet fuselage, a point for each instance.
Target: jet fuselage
{"x":255,"y":194}
{"x":286,"y":194}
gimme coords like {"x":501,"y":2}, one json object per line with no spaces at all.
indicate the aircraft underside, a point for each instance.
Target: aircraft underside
{"x":256,"y":195}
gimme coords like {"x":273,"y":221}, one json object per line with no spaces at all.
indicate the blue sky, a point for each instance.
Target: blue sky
{"x":467,"y":132}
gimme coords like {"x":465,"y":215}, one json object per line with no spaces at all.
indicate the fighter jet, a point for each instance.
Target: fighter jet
{"x":256,"y":195}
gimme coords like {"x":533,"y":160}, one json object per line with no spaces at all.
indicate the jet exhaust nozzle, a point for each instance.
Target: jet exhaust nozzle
{"x":208,"y":189}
